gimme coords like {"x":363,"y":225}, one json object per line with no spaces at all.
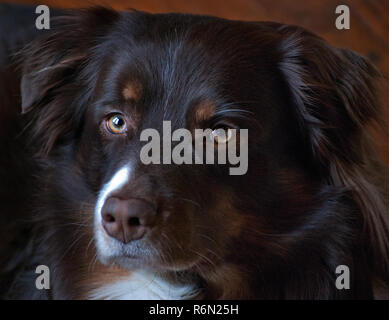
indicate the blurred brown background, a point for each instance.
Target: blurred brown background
{"x":369,"y":33}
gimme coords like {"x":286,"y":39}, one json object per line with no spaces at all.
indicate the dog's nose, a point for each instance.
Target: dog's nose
{"x":127,"y":220}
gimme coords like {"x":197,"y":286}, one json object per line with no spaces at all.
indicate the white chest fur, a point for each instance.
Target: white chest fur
{"x":143,"y":286}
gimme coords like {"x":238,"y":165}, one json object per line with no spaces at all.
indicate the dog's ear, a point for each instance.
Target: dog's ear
{"x":334,"y":91}
{"x":336,"y":100}
{"x":51,"y":69}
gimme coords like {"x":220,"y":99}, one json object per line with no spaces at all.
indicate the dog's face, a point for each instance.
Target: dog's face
{"x":171,"y":216}
{"x":124,"y":73}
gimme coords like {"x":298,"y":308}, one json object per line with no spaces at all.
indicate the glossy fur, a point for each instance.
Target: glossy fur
{"x":315,"y":195}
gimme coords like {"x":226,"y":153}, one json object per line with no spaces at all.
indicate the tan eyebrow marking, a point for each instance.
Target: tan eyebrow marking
{"x":204,"y":110}
{"x":132,"y":91}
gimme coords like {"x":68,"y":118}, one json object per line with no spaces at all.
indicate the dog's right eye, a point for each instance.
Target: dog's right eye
{"x":116,"y":124}
{"x":221,"y":135}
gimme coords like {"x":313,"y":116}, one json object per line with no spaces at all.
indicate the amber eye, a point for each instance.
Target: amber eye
{"x":221,"y":135}
{"x":116,"y":124}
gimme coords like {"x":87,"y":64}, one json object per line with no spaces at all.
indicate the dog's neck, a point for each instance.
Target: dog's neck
{"x":142,"y":285}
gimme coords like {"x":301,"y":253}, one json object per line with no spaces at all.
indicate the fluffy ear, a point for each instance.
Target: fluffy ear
{"x":334,"y":93}
{"x":333,"y":90}
{"x":51,"y":69}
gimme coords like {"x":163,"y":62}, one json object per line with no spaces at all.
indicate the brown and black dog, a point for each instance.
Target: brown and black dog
{"x":76,"y":197}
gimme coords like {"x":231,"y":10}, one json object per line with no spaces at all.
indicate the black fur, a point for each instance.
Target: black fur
{"x":315,"y":195}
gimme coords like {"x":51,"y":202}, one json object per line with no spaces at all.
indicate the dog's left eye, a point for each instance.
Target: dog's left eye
{"x":221,"y":135}
{"x":116,"y":124}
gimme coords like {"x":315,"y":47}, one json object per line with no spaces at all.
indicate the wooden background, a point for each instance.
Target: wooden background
{"x":369,"y":33}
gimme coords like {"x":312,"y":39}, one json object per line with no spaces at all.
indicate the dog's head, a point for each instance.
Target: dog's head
{"x":102,"y":78}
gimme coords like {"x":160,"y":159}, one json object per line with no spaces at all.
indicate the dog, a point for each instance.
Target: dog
{"x":77,"y":198}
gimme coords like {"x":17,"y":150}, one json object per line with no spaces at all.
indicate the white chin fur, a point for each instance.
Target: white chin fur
{"x":139,"y":285}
